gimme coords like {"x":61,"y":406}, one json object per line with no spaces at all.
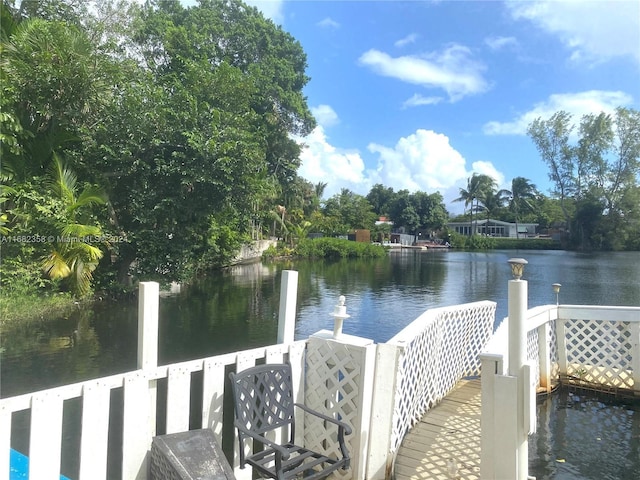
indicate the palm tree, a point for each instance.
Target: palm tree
{"x":477,"y":187}
{"x":522,"y":193}
{"x":494,"y":201}
{"x":74,"y":254}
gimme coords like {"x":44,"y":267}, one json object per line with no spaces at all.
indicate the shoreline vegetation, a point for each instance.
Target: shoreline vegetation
{"x":20,"y":309}
{"x":29,"y":305}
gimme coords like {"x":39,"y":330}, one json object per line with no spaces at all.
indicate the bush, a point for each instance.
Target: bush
{"x":273,"y":251}
{"x":338,"y":248}
{"x":479,"y":242}
{"x":527,"y":244}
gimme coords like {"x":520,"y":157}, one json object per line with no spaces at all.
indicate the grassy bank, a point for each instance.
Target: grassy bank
{"x":18,"y":309}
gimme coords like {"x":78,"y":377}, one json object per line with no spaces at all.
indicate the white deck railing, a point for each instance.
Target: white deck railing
{"x":139,"y":412}
{"x":595,"y":344}
{"x":592,"y":346}
{"x":418,"y":367}
{"x":380,"y":390}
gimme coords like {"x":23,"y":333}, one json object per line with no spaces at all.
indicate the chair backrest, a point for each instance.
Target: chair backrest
{"x":263,"y":397}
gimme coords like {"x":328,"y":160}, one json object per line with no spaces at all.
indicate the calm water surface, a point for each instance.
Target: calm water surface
{"x":237,"y":308}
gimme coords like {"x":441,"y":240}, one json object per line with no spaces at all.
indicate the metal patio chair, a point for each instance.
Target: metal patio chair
{"x":263,"y":397}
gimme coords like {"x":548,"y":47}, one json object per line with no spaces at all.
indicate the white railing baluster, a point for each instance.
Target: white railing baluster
{"x":136,"y":437}
{"x":212,"y":396}
{"x":561,"y":344}
{"x":46,"y":436}
{"x":5,"y":442}
{"x":95,"y":431}
{"x":635,"y":354}
{"x":178,"y":399}
{"x":544,"y":360}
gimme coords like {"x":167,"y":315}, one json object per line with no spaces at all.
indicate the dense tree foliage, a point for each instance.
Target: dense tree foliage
{"x":596,"y":178}
{"x":184,"y":119}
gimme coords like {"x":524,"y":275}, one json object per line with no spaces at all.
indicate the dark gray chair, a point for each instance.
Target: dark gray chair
{"x":263,"y":397}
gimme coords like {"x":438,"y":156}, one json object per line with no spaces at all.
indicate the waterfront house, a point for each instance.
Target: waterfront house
{"x":494,"y":228}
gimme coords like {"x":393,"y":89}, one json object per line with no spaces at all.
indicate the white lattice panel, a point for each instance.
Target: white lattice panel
{"x":600,"y":352}
{"x":533,"y":354}
{"x":334,"y":386}
{"x":553,"y":350}
{"x":440,"y":348}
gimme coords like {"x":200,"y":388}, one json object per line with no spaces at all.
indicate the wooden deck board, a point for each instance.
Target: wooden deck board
{"x":446,"y":439}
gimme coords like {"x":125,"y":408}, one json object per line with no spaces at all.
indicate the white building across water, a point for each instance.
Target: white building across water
{"x":494,"y":228}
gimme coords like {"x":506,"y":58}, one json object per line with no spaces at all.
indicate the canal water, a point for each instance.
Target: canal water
{"x":237,"y":308}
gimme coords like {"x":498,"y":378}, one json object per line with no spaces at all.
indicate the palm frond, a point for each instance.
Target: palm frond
{"x":55,"y":266}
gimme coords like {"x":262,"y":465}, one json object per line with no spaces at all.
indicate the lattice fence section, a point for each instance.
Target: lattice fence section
{"x":553,"y":350}
{"x":440,"y":348}
{"x":599,"y":352}
{"x":533,"y":354}
{"x":334,"y":380}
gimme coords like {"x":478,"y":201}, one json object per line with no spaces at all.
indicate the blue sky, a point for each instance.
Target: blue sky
{"x":418,"y":95}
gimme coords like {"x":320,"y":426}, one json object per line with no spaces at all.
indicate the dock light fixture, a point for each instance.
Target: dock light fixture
{"x":556,"y":289}
{"x":517,"y":267}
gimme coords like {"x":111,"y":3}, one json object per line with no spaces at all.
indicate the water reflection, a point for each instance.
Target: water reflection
{"x":585,"y":436}
{"x":238,"y":307}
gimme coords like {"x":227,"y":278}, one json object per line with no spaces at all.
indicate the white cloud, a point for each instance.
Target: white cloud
{"x":417,"y":100}
{"x":325,"y":115}
{"x":593,"y":31}
{"x":452,"y":70}
{"x":270,"y":8}
{"x":422,"y":161}
{"x":339,"y":168}
{"x":487,"y":168}
{"x":411,"y":38}
{"x":328,"y":23}
{"x":577,"y":104}
{"x":499,"y":43}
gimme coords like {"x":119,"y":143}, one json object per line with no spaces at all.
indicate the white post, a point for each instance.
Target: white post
{"x":517,"y":358}
{"x":380,"y":456}
{"x":544,"y":360}
{"x":148,"y":313}
{"x":634,"y":327}
{"x":561,"y":344}
{"x":287,"y":312}
{"x":492,"y":367}
{"x":148,"y":305}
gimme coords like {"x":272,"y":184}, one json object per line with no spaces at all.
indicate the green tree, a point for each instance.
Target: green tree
{"x":418,"y":212}
{"x":598,"y":174}
{"x":521,"y":198}
{"x":478,"y":186}
{"x":352,"y":211}
{"x":380,"y":198}
{"x":56,"y":86}
{"x":202,"y":126}
{"x":551,"y":138}
{"x":74,"y":254}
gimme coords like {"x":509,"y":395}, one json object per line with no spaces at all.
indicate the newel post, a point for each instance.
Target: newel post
{"x":287,"y":311}
{"x":635,"y":355}
{"x":339,"y":380}
{"x":140,"y":392}
{"x":148,"y":307}
{"x":519,"y":368}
